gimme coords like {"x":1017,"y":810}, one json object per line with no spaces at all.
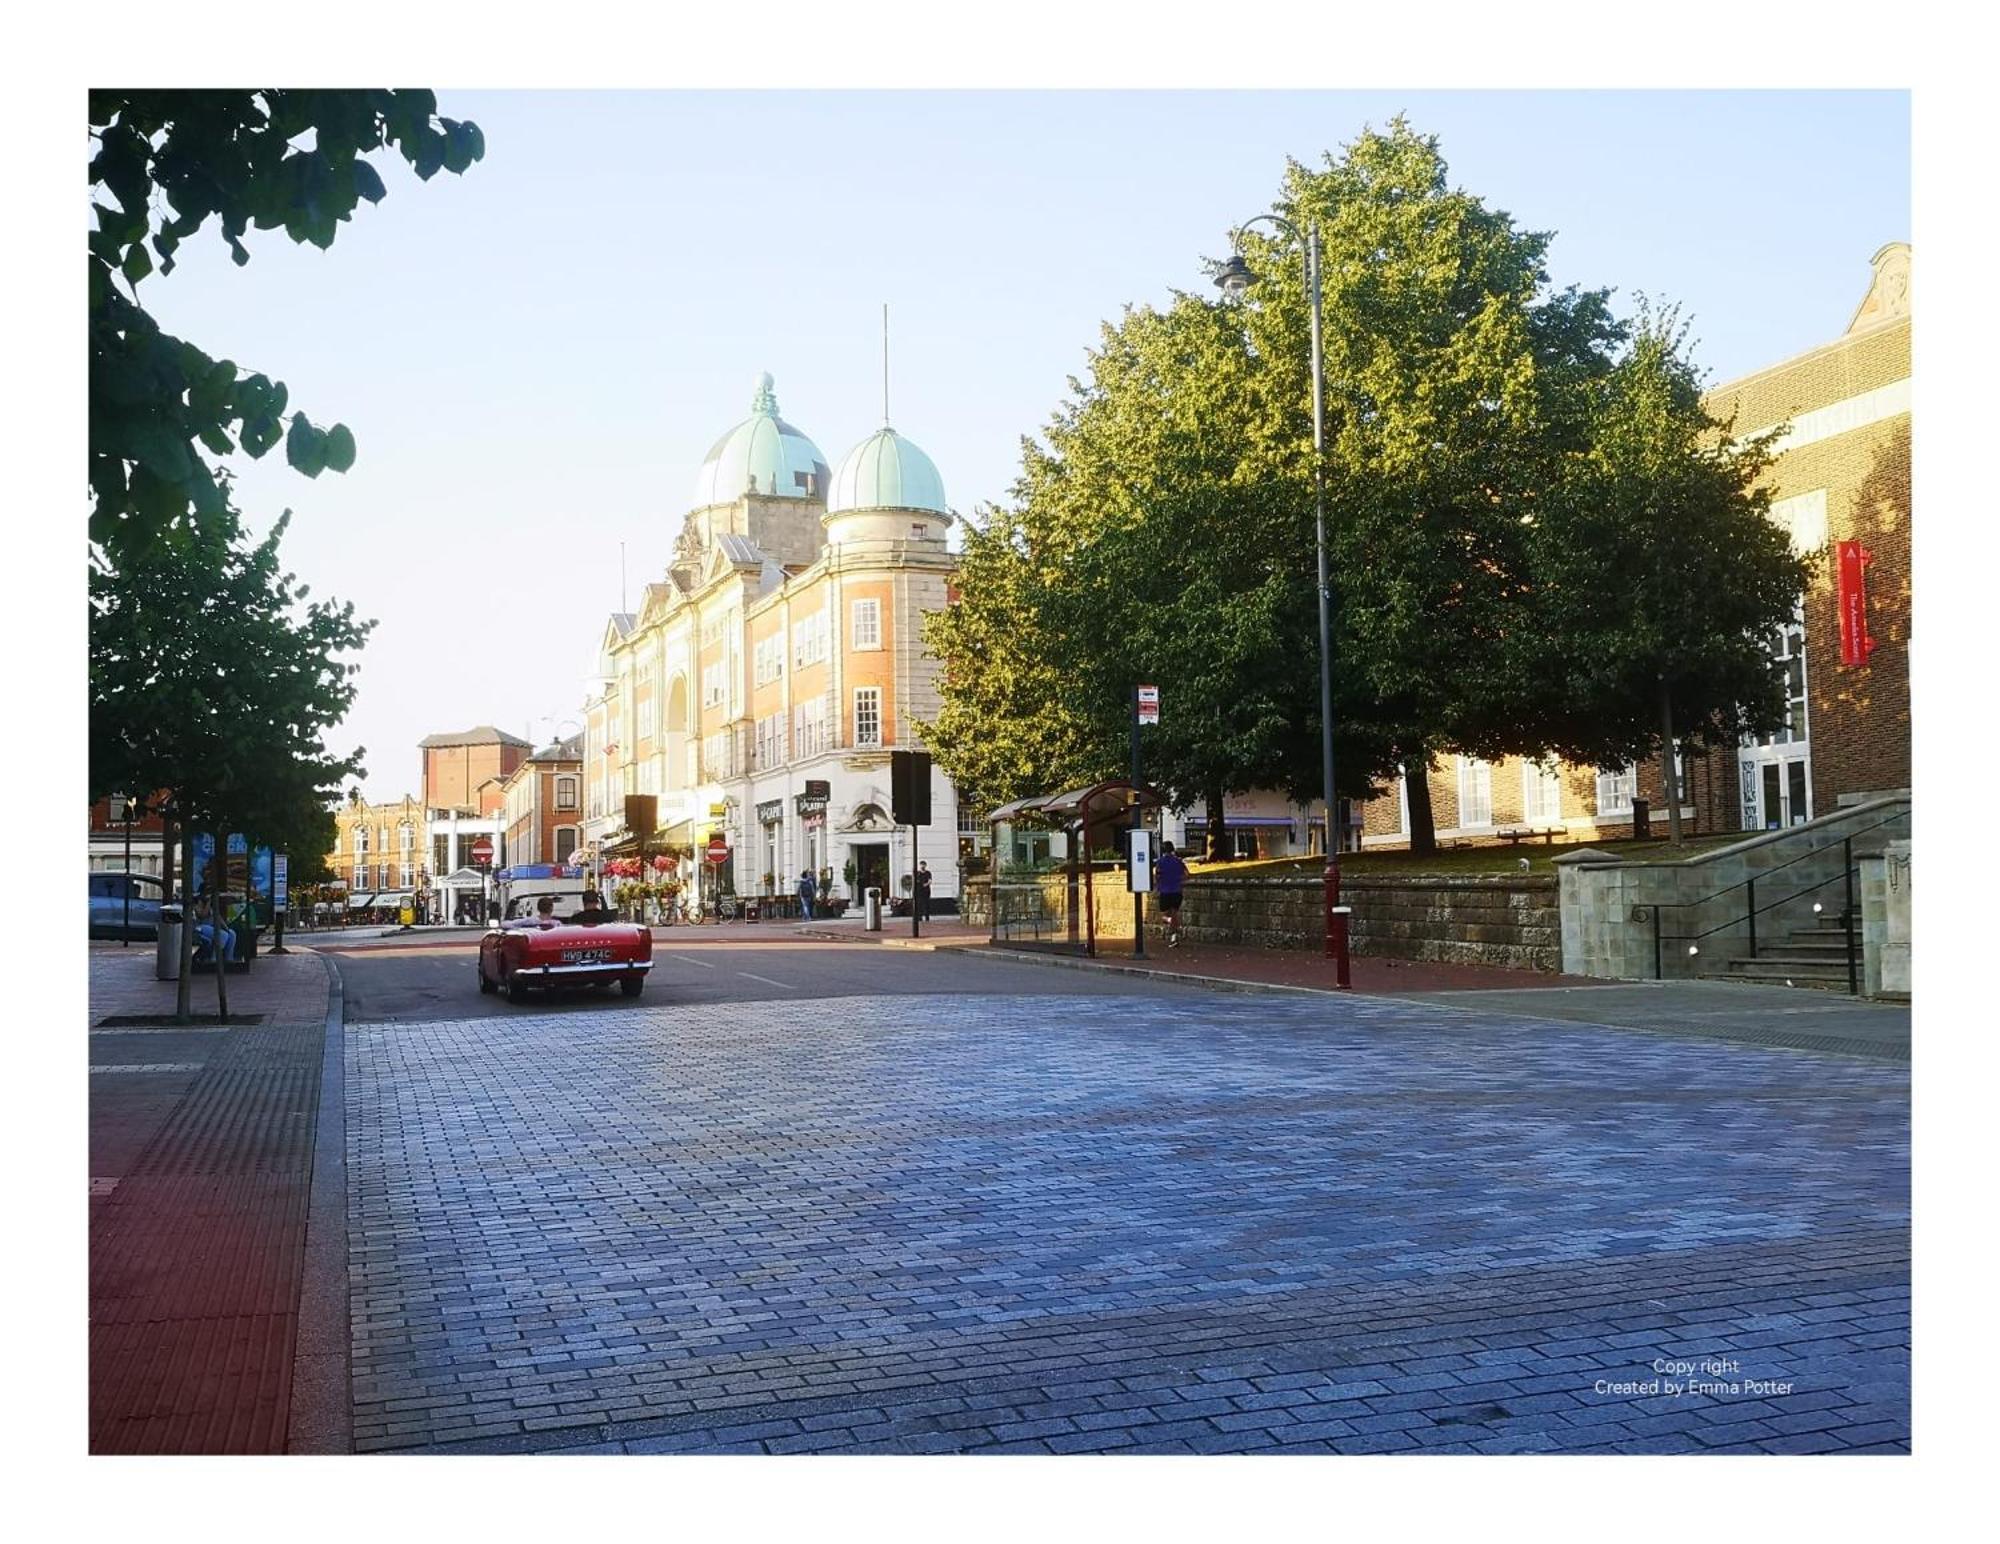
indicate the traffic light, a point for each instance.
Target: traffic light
{"x":910,"y":787}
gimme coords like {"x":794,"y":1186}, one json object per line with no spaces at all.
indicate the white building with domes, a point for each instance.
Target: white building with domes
{"x":770,"y":670}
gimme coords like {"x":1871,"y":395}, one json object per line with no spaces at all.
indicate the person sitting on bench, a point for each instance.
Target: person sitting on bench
{"x":207,"y":926}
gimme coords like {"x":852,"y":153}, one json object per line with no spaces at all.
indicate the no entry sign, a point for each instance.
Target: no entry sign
{"x":482,"y":851}
{"x":718,"y":850}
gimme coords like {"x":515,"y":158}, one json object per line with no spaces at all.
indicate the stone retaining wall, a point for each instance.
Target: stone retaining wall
{"x":1476,"y":919}
{"x":1503,"y":919}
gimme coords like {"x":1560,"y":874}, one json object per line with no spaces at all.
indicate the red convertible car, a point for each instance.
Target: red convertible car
{"x":519,"y":955}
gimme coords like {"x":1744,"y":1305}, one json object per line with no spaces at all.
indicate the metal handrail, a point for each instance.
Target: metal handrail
{"x":1751,"y":886}
{"x":1810,"y":852}
{"x":1847,"y":914}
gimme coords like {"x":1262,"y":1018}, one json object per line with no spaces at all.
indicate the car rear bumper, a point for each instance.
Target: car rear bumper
{"x":593,"y":968}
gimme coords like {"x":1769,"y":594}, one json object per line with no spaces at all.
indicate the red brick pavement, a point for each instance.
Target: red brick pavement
{"x":197,"y":1236}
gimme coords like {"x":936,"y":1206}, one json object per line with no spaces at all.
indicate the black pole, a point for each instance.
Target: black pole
{"x":1132,"y":837}
{"x":1847,"y":918}
{"x":915,"y":897}
{"x":1750,"y":887}
{"x":125,"y":932}
{"x":1657,"y":974}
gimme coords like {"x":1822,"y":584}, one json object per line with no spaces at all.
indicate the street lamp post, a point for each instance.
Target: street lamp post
{"x":1234,"y":278}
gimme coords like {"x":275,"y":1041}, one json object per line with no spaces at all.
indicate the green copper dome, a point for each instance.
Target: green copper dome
{"x":886,"y":471}
{"x":763,"y":454}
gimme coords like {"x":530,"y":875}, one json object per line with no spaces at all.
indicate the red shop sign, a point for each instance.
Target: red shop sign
{"x":1855,"y":644}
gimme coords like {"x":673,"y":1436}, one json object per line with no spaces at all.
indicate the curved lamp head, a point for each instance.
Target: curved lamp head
{"x":1234,"y":276}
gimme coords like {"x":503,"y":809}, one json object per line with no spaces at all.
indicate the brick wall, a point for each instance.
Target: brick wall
{"x":1858,"y":716}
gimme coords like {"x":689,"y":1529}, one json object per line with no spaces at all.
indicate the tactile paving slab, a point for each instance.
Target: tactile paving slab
{"x":195,"y":1258}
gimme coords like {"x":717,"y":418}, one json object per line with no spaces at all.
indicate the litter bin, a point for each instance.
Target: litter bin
{"x":167,"y":952}
{"x":871,"y":909}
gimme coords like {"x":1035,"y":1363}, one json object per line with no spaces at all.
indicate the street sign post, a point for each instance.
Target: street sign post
{"x":1139,"y":862}
{"x":717,"y":854}
{"x":280,"y":898}
{"x":1145,"y":710}
{"x":910,"y":803}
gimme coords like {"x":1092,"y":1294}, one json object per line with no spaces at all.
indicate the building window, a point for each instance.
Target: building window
{"x":565,"y":793}
{"x":361,"y":876}
{"x":809,"y":639}
{"x":1789,"y":654}
{"x":1615,"y":786}
{"x":770,"y":748}
{"x":867,"y":715}
{"x":809,"y":729}
{"x":361,"y":840}
{"x":565,"y":843}
{"x":866,"y":629}
{"x":406,"y":838}
{"x":770,"y":655}
{"x":714,"y":683}
{"x":1541,"y":793}
{"x":1475,"y":792}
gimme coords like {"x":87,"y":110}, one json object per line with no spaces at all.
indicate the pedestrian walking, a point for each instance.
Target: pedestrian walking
{"x":923,"y":895}
{"x":1169,"y":875}
{"x":808,"y":892}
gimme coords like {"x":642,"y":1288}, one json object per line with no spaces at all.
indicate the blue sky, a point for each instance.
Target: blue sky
{"x":535,"y":357}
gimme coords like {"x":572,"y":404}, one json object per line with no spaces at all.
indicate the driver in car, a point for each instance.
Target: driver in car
{"x":593,"y":912}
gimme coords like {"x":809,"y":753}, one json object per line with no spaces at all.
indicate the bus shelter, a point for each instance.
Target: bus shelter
{"x":1089,"y":817}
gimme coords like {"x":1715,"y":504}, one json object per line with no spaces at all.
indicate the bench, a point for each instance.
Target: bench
{"x":1515,"y":835}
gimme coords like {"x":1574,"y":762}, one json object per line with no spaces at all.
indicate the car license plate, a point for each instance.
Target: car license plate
{"x":585,"y":956}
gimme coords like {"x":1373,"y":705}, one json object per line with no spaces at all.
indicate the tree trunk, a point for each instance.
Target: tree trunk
{"x":1423,"y":825}
{"x":184,"y":985}
{"x":1218,"y":837}
{"x":1668,"y":781}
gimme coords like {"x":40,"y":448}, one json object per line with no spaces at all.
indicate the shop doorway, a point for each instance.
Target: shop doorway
{"x":871,"y":867}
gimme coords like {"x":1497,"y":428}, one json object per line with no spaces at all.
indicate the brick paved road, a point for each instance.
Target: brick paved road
{"x":1055,"y":1224}
{"x":438,"y":979}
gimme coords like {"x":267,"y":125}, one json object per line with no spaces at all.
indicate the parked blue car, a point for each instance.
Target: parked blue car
{"x":108,"y":893}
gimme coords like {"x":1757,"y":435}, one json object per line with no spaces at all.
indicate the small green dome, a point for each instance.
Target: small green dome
{"x":762,"y":454}
{"x":886,"y":471}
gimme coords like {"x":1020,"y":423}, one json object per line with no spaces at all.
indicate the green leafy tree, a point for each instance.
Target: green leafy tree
{"x":1458,"y":383}
{"x":1137,"y":551}
{"x":165,"y":164}
{"x":1659,"y":581}
{"x":214,"y":675}
{"x":1165,"y":531}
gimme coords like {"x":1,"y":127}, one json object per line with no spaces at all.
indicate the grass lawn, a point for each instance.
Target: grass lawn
{"x":1472,"y":860}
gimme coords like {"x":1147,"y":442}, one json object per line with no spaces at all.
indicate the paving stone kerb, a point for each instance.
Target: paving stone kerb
{"x":1508,"y":920}
{"x":1114,"y":1225}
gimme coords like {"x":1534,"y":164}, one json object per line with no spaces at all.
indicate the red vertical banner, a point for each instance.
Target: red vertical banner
{"x":1852,"y":588}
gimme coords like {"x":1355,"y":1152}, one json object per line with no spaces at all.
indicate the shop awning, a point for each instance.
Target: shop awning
{"x":360,"y":902}
{"x":1200,"y":823}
